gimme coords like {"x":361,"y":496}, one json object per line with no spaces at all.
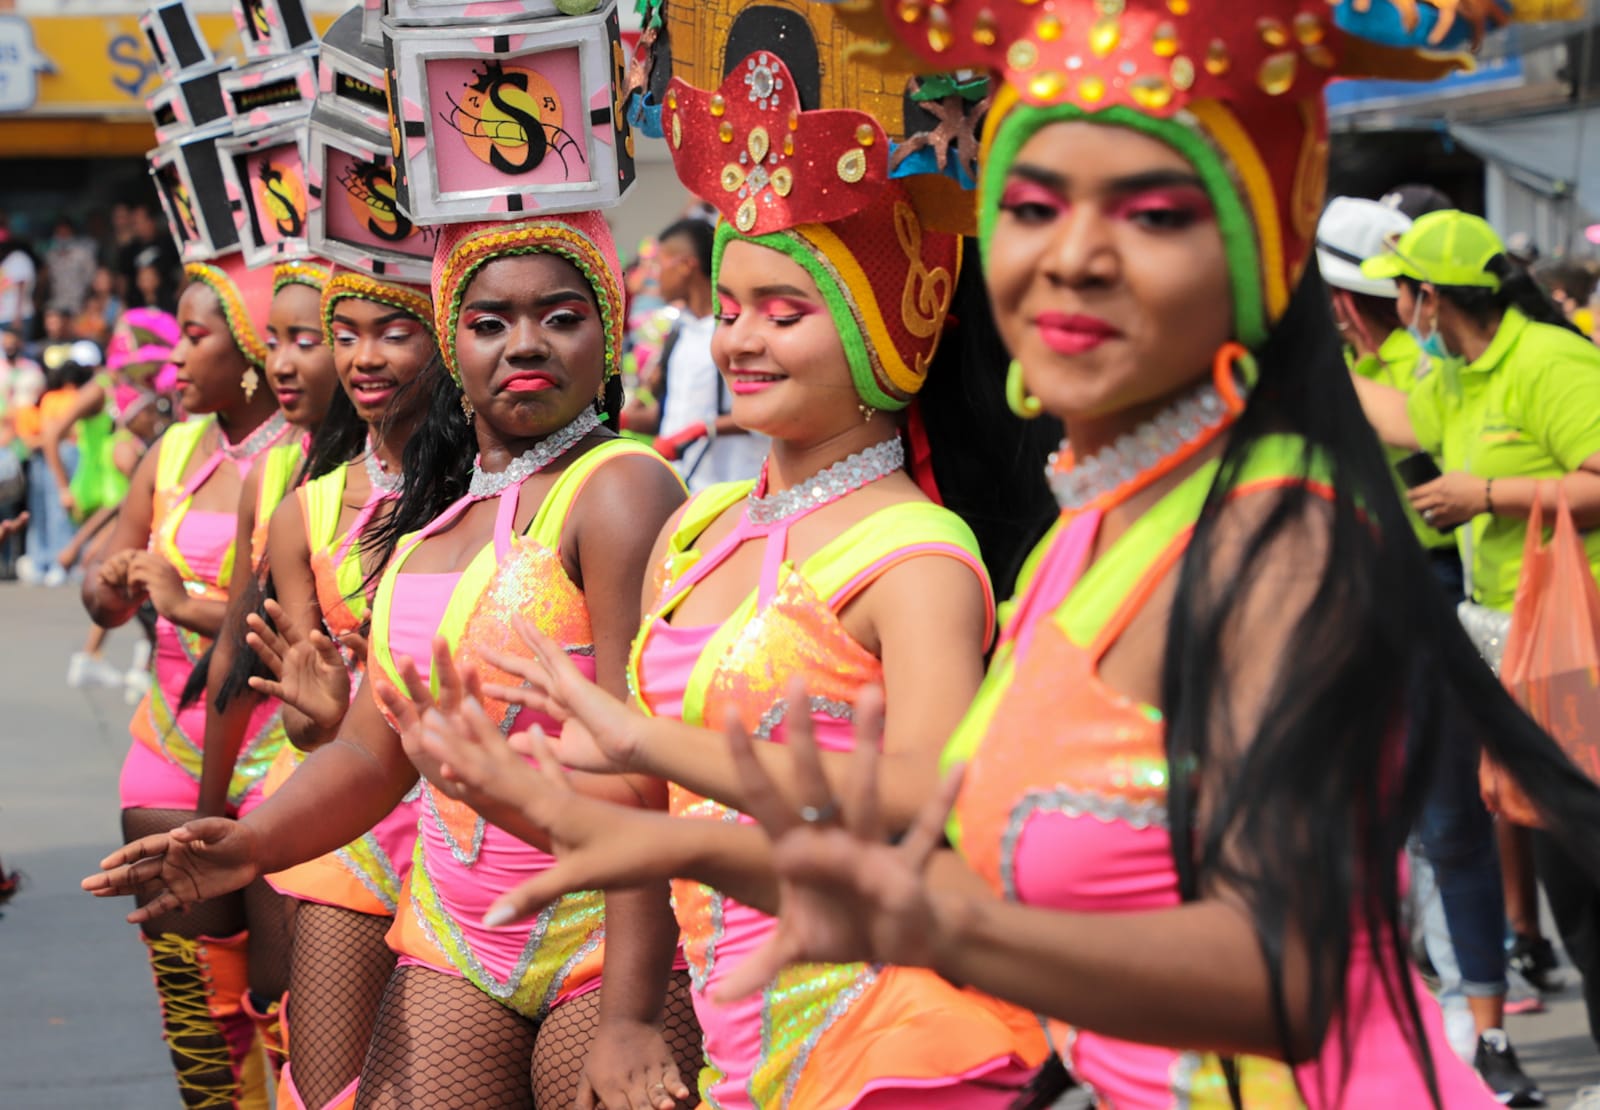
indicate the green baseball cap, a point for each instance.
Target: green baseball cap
{"x":1442,"y":248}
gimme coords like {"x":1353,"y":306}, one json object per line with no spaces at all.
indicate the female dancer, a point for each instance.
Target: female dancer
{"x":300,"y":373}
{"x":835,"y":567}
{"x":553,"y":520}
{"x":174,"y":545}
{"x":1185,"y":796}
{"x":327,"y":547}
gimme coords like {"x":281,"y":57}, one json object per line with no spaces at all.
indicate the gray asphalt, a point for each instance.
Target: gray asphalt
{"x":78,"y":1022}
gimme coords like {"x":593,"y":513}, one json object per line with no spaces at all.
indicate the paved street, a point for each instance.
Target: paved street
{"x":78,"y":1023}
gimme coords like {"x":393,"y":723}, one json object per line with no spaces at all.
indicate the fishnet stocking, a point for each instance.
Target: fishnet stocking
{"x":218,"y":917}
{"x":271,"y":919}
{"x":337,"y":975}
{"x":442,"y":1043}
{"x":562,"y":1047}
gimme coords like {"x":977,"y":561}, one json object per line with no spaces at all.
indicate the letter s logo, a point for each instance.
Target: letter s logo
{"x":129,"y":55}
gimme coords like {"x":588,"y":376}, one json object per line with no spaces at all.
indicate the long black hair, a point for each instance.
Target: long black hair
{"x":988,"y":464}
{"x":1323,"y":792}
{"x":1519,"y":289}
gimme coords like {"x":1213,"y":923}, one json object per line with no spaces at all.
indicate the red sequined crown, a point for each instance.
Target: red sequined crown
{"x":767,"y":166}
{"x":1158,"y":55}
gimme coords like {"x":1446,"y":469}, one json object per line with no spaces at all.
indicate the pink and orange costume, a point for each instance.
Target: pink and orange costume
{"x":461,"y":864}
{"x":1064,"y":804}
{"x":818,"y":1036}
{"x":202,"y":981}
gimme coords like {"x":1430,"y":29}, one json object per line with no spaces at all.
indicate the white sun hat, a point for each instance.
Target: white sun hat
{"x":1351,"y":231}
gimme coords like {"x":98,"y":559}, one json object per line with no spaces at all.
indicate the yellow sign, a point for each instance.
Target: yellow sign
{"x":101,"y":65}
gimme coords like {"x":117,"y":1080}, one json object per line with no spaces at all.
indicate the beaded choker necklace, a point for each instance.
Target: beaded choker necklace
{"x":383,"y":483}
{"x":273,"y":429}
{"x":826,"y":486}
{"x":1140,"y":457}
{"x":533,"y":460}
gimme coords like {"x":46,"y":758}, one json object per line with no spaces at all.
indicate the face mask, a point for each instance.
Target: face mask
{"x":1432,"y":344}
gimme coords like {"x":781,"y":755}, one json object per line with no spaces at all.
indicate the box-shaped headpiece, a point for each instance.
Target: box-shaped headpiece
{"x":268,"y":27}
{"x":350,"y":73}
{"x":265,"y":176}
{"x":174,"y":37}
{"x":188,"y":176}
{"x":499,"y":121}
{"x":356,"y":218}
{"x":191,"y":100}
{"x":273,"y":90}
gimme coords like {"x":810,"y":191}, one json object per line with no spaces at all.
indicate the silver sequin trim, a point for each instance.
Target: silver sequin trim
{"x":860,"y":469}
{"x":1073,"y":803}
{"x":772,"y":718}
{"x":470,"y":856}
{"x":842,"y":1002}
{"x":482,"y":976}
{"x":559,"y":980}
{"x":535,"y":459}
{"x":1137,"y":451}
{"x":354,"y":865}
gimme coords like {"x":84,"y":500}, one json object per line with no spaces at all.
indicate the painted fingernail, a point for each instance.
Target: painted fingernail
{"x":497,"y":916}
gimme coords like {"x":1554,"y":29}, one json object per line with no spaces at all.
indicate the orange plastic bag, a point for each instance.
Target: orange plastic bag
{"x":1552,"y":659}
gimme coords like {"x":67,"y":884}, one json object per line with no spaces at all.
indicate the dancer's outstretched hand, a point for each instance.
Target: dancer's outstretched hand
{"x":630,"y":1067}
{"x":599,"y":733}
{"x":407,"y":705}
{"x":597,"y":844}
{"x":308,"y":674}
{"x":845,"y":892}
{"x":172,"y":871}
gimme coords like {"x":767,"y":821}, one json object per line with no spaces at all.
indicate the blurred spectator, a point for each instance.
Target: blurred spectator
{"x":693,"y":402}
{"x":147,"y":232}
{"x":53,"y":346}
{"x":1522,"y":250}
{"x":18,"y":277}
{"x":50,"y":527}
{"x":154,"y":282}
{"x":1571,"y":285}
{"x":1417,"y":200}
{"x":100,"y":310}
{"x":69,"y":265}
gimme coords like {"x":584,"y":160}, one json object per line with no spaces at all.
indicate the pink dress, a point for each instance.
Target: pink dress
{"x":823,"y":1036}
{"x":1064,"y":806}
{"x":162,"y":769}
{"x":367,"y":874}
{"x":461,"y":863}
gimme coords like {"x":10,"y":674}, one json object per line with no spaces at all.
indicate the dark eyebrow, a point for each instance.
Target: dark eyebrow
{"x":381,"y":322}
{"x":559,"y":296}
{"x":1133,"y":183}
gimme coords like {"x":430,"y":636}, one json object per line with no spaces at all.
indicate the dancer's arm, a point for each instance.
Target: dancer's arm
{"x":111,"y":600}
{"x":929,"y":617}
{"x":339,"y":792}
{"x":309,"y":674}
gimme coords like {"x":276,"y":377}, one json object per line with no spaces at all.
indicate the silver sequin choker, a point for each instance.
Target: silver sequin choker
{"x":533,"y":460}
{"x":1182,"y":425}
{"x":825,"y":486}
{"x":257,"y":441}
{"x":383,"y":483}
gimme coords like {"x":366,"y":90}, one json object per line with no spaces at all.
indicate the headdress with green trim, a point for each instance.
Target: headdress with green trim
{"x":1236,"y":88}
{"x":246,"y":298}
{"x":347,"y":284}
{"x":582,"y":238}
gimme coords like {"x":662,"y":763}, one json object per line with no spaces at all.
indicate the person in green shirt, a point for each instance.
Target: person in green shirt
{"x":1455,"y":833}
{"x":1516,"y":416}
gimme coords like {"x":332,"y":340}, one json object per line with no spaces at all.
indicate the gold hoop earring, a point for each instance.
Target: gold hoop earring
{"x":1018,"y":399}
